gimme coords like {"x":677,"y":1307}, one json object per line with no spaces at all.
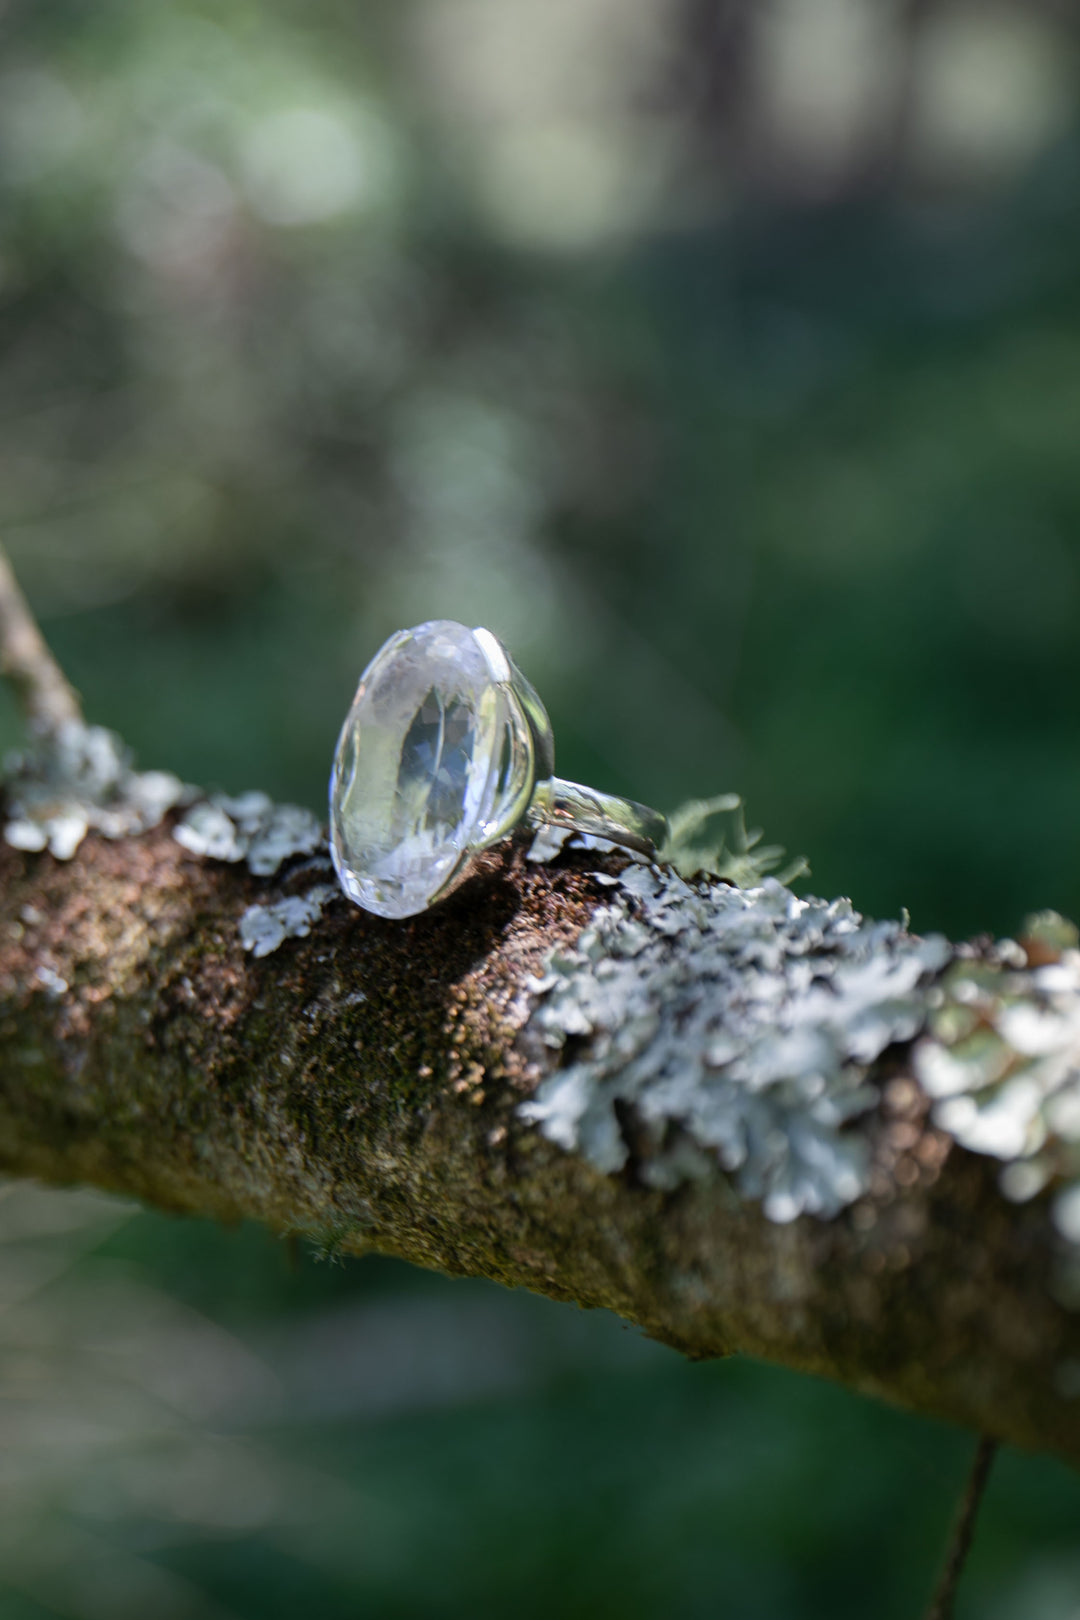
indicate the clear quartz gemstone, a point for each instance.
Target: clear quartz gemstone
{"x":428,"y":759}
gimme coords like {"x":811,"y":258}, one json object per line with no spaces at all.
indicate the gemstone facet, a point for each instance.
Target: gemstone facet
{"x":433,"y":757}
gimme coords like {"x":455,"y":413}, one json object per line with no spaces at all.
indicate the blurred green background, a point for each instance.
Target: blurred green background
{"x":723,"y":356}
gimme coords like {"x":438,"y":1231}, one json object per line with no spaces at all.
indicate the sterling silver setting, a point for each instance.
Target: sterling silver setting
{"x":447,"y":750}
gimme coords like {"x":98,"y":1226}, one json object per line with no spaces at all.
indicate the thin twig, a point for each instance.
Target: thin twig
{"x":48,"y":700}
{"x":944,"y":1599}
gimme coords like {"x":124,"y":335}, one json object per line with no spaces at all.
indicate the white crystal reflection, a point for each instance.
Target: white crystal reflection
{"x":420,"y":766}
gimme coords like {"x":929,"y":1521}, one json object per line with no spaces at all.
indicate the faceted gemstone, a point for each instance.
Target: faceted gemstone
{"x":428,"y":754}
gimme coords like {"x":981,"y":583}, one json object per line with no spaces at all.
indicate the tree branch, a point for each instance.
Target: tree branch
{"x":744,"y":1121}
{"x":48,"y":700}
{"x":363,"y":1085}
{"x":943,"y":1602}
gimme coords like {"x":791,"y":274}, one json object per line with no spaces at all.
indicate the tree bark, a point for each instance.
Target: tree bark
{"x":364,"y":1085}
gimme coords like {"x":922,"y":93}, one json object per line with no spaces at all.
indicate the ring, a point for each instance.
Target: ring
{"x":446,"y":750}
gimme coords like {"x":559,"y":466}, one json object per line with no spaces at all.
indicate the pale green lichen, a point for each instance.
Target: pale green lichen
{"x":263,"y":928}
{"x":710,"y":836}
{"x":1001,"y":1060}
{"x":81,"y":779}
{"x":251,"y":828}
{"x":705,"y":836}
{"x":735,"y":1027}
{"x":547,"y":843}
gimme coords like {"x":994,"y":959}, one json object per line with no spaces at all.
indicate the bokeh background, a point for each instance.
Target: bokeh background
{"x":724,"y":357}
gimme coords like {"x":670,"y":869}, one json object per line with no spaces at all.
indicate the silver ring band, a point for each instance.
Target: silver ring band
{"x":558,"y":803}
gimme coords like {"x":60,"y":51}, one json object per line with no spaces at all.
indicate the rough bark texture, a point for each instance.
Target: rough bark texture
{"x":362,"y":1085}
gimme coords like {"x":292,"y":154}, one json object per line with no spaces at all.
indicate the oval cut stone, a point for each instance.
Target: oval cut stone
{"x":419,"y":766}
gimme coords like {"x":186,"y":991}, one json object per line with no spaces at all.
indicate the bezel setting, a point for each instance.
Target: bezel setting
{"x":449,"y":700}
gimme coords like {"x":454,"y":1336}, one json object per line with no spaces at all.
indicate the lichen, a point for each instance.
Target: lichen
{"x":80,"y":779}
{"x":547,"y":844}
{"x":264,"y":927}
{"x":705,"y":836}
{"x":50,"y":981}
{"x":250,"y":828}
{"x":710,"y":836}
{"x":253,"y":829}
{"x":1001,"y":1060}
{"x":711,"y":1025}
